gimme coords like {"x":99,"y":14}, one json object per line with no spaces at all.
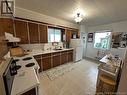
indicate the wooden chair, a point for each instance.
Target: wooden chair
{"x":106,"y":86}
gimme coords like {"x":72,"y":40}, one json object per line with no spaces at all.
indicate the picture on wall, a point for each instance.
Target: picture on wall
{"x":90,"y":37}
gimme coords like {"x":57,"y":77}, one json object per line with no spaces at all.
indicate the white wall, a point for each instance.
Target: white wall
{"x":23,"y":13}
{"x":114,"y":27}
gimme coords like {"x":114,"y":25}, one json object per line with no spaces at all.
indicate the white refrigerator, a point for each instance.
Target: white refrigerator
{"x":78,"y":49}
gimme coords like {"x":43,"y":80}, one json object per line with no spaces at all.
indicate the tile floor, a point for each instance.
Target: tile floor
{"x":80,"y":81}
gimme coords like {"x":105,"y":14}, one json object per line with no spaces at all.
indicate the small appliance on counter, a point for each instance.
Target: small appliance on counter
{"x":17,"y":51}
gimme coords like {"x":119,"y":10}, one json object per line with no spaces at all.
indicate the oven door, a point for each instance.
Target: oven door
{"x":8,"y":77}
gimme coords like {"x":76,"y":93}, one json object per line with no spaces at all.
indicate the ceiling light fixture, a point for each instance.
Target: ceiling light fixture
{"x":78,"y":18}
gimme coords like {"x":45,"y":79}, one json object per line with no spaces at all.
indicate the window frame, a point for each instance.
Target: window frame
{"x":54,"y":28}
{"x":110,"y":39}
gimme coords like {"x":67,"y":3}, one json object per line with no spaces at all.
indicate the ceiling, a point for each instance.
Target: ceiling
{"x":95,"y":12}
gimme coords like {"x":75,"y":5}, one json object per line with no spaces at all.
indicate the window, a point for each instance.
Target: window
{"x":54,"y":35}
{"x":102,"y":40}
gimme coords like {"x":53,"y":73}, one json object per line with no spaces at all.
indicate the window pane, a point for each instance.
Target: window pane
{"x":57,"y":35}
{"x":50,"y":35}
{"x":102,"y":40}
{"x":54,"y":35}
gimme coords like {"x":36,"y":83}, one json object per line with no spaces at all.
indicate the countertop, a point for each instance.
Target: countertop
{"x":111,"y":67}
{"x":109,"y":62}
{"x":39,"y":52}
{"x":24,"y":81}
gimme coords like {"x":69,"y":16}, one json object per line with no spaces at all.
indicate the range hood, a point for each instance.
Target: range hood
{"x":11,"y":38}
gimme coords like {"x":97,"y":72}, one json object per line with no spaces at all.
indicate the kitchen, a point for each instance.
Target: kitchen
{"x":52,"y":56}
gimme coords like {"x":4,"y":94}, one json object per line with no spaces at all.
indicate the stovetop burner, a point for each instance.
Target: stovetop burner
{"x":30,"y":64}
{"x":18,"y":67}
{"x":16,"y":60}
{"x":27,"y":58}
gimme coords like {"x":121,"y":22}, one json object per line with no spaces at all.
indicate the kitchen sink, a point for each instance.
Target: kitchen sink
{"x":58,"y":49}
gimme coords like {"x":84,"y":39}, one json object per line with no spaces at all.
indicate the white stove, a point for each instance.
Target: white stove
{"x":26,"y":62}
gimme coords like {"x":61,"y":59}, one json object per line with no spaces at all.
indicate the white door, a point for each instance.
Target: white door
{"x":79,"y":53}
{"x":84,"y":41}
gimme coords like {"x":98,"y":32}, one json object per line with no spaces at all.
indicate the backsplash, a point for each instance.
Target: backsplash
{"x":38,"y":47}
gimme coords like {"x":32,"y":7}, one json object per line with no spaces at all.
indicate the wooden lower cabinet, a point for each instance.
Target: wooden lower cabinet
{"x":46,"y":63}
{"x":30,"y":92}
{"x":70,"y":55}
{"x":64,"y":57}
{"x":39,"y":59}
{"x":56,"y":59}
{"x":40,"y":64}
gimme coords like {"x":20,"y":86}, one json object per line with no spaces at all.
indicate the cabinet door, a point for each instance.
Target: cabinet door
{"x":33,"y":33}
{"x":68,"y":35}
{"x":39,"y":63}
{"x":21,"y":31}
{"x":43,"y":33}
{"x":75,"y":32}
{"x":39,"y":59}
{"x":70,"y":56}
{"x":64,"y":57}
{"x":6,"y":25}
{"x":56,"y":59}
{"x":46,"y":63}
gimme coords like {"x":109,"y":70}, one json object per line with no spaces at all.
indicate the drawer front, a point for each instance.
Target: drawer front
{"x":37,"y":56}
{"x":64,"y":52}
{"x":56,"y":53}
{"x":46,"y":55}
{"x":70,"y":51}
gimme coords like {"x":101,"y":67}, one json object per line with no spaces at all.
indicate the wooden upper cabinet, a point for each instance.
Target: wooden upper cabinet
{"x":33,"y":33}
{"x":6,"y":25}
{"x":68,"y":35}
{"x":43,"y":33}
{"x":75,"y":31}
{"x":21,"y":31}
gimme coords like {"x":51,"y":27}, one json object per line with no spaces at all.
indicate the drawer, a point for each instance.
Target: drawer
{"x":37,"y":56}
{"x":46,"y":55}
{"x":70,"y":51}
{"x":56,"y":53}
{"x":64,"y":52}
